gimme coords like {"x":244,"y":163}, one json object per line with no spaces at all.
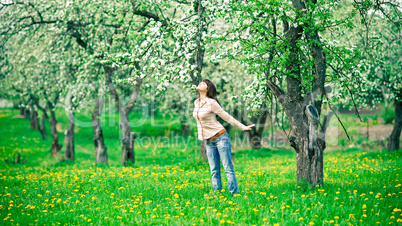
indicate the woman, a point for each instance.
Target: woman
{"x":218,"y":145}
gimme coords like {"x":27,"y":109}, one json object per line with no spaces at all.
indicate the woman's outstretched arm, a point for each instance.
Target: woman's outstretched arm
{"x":217,"y":109}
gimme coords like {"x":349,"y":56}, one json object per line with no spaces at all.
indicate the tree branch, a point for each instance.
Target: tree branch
{"x":146,"y":14}
{"x":350,"y":92}
{"x":330,"y":107}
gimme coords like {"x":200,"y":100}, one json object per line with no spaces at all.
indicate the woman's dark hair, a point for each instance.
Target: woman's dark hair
{"x":211,"y":90}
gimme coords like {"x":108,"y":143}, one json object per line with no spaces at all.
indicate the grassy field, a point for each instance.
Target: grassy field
{"x":169,"y":186}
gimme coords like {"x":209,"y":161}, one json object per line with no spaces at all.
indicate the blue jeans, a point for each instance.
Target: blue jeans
{"x":220,"y":149}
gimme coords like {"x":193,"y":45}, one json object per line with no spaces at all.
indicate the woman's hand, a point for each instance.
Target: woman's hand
{"x":249,"y":127}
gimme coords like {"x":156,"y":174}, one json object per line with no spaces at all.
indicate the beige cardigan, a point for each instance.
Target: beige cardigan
{"x":207,"y":125}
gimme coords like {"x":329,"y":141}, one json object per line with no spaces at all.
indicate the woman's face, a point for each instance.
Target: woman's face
{"x":202,"y":86}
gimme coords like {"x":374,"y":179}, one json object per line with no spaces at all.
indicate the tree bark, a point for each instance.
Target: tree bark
{"x":16,"y":104}
{"x":127,"y":144}
{"x":69,"y":138}
{"x":309,"y":164}
{"x":100,"y":148}
{"x":203,"y":151}
{"x":43,"y":117}
{"x":198,"y":60}
{"x":128,"y":137}
{"x":34,"y":119}
{"x":310,"y":156}
{"x":255,"y":135}
{"x":303,"y":117}
{"x":18,"y":159}
{"x":394,"y":138}
{"x":55,"y":142}
{"x":42,"y":128}
{"x":185,"y":129}
{"x":255,"y":139}
{"x":25,"y":112}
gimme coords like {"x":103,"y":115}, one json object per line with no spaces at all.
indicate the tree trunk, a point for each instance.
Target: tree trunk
{"x":34,"y":119}
{"x":43,"y":117}
{"x":128,"y":137}
{"x":309,"y":164}
{"x":185,"y":129}
{"x":127,"y":143}
{"x":55,"y":143}
{"x":308,"y":153}
{"x":303,"y":120}
{"x":203,"y":151}
{"x":255,"y":139}
{"x":18,"y":158}
{"x":198,"y":60}
{"x":271,"y":119}
{"x":394,"y":138}
{"x":255,"y":134}
{"x":25,"y":112}
{"x":100,"y":148}
{"x":42,"y":128}
{"x":16,"y":104}
{"x":304,"y":117}
{"x":69,"y":138}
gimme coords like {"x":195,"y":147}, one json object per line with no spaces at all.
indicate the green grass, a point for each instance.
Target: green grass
{"x":168,"y":185}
